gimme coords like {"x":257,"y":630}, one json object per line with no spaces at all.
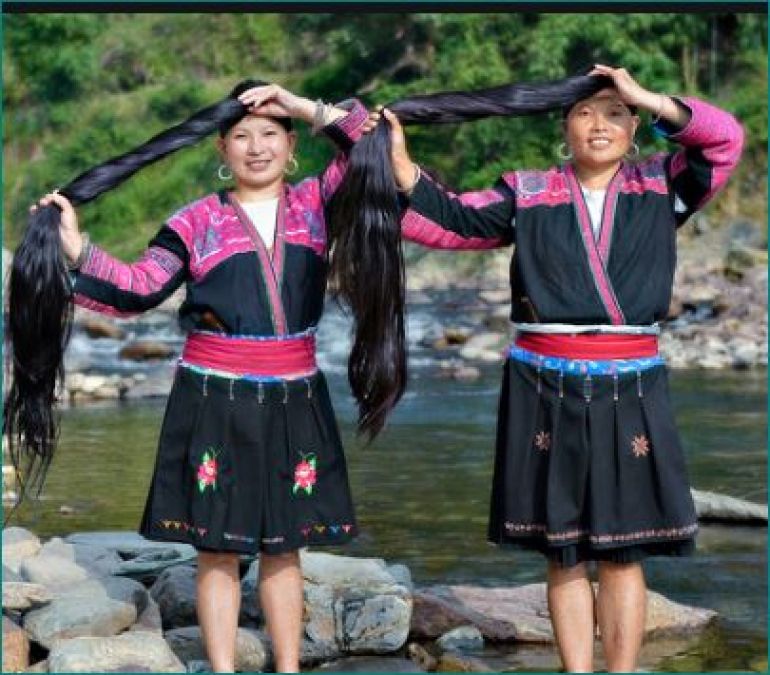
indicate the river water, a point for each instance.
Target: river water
{"x":422,"y":488}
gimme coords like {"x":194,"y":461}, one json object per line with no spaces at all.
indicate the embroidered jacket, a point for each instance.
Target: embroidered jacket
{"x":233,"y":284}
{"x":561,"y":272}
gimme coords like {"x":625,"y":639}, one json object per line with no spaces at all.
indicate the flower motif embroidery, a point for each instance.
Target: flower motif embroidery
{"x":207,"y":471}
{"x":543,"y":441}
{"x":305,"y":475}
{"x":640,"y":446}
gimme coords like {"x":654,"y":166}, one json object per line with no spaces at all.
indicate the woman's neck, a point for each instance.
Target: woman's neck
{"x":246,"y":193}
{"x":596,"y":178}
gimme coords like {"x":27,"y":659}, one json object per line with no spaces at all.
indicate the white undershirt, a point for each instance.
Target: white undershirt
{"x":595,"y":202}
{"x":263,"y":215}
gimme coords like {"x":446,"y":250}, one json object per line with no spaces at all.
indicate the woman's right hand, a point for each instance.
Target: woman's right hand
{"x":71,"y":239}
{"x":404,"y":169}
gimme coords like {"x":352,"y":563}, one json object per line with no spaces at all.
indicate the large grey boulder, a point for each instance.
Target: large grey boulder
{"x":96,"y":560}
{"x":715,"y":507}
{"x":52,"y":570}
{"x":354,"y":605}
{"x":147,"y":565}
{"x":129,"y":554}
{"x":127,"y":653}
{"x":20,"y":595}
{"x":521,"y":613}
{"x":91,"y":608}
{"x":252,"y":647}
{"x":175,"y":593}
{"x":18,"y":544}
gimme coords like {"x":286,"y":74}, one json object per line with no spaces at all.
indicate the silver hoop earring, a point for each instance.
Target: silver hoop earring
{"x":634,"y":151}
{"x":224,"y":172}
{"x":563,"y":152}
{"x":294,"y":166}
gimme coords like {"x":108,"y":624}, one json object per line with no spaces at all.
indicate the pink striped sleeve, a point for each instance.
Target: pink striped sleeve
{"x":719,"y":137}
{"x":423,"y":231}
{"x":105,"y":284}
{"x":473,"y":220}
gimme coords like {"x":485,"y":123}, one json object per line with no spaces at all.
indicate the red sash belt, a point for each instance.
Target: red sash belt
{"x":247,"y":356}
{"x":590,"y":346}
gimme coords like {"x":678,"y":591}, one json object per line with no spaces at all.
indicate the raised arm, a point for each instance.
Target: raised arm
{"x":105,"y":284}
{"x":438,"y":218}
{"x":712,"y":141}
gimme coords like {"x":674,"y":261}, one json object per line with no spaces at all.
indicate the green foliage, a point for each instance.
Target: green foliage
{"x":54,"y":54}
{"x":80,"y":88}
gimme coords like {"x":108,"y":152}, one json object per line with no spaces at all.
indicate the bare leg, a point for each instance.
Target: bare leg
{"x":219,"y":602}
{"x":621,"y":605}
{"x":571,"y":603}
{"x":280,"y":594}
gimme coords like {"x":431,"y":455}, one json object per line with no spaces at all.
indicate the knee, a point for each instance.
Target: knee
{"x":210,"y":560}
{"x":621,"y":572}
{"x":270,"y":563}
{"x":558,"y":575}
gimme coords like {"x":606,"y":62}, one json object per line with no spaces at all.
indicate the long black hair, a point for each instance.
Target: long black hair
{"x":367,"y":264}
{"x":40,"y":304}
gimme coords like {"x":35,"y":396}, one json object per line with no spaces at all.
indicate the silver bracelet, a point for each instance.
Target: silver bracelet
{"x":321,"y":116}
{"x":83,"y":255}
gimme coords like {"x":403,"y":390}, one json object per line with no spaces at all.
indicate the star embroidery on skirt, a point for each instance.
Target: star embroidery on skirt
{"x":543,"y":440}
{"x":640,"y":446}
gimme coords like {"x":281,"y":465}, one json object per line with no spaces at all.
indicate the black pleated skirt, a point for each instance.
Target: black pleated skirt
{"x":589,"y":468}
{"x":246,"y":467}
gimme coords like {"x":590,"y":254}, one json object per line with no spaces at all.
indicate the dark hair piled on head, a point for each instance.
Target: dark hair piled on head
{"x":367,"y":263}
{"x":40,"y":293}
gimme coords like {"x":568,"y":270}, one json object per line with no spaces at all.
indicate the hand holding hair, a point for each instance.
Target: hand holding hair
{"x":71,"y":238}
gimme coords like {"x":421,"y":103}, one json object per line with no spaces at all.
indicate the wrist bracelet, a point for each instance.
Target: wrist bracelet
{"x":659,"y":111}
{"x":417,"y":174}
{"x":321,"y":116}
{"x":84,"y":249}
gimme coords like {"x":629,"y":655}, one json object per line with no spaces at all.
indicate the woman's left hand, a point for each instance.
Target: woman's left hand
{"x":275,"y":101}
{"x":629,"y":89}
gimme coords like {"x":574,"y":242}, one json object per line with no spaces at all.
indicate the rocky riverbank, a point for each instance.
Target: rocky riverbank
{"x":115,"y":602}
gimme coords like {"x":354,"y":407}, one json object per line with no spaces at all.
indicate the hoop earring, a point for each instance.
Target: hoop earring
{"x":294,"y":166}
{"x":563,"y":152}
{"x":634,"y":151}
{"x":221,"y":172}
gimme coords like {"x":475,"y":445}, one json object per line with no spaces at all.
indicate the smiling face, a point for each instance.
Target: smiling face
{"x":257,"y":150}
{"x":600,"y":129}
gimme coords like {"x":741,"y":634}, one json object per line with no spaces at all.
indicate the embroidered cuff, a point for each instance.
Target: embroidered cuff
{"x":707,"y":123}
{"x":350,"y":125}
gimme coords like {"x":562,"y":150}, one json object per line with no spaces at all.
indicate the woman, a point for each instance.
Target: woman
{"x":588,"y":463}
{"x":249,"y":457}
